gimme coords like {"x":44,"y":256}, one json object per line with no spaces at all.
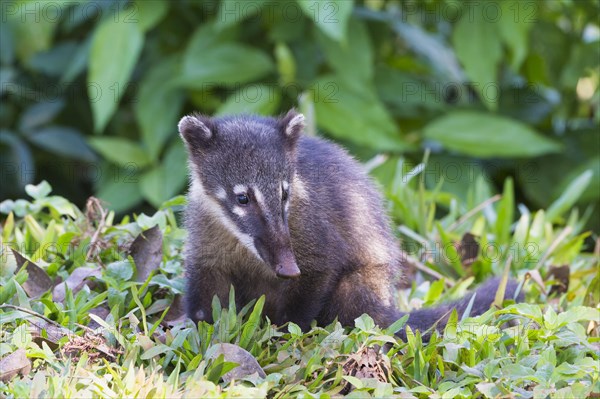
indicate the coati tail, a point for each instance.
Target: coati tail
{"x":426,"y":318}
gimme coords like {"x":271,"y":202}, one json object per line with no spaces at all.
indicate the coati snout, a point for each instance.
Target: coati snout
{"x":248,"y":190}
{"x":260,"y":211}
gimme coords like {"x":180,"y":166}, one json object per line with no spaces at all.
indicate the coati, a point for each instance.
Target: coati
{"x":273,"y":211}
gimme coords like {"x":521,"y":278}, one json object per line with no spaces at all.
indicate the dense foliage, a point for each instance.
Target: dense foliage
{"x":472,"y":115}
{"x":92,"y":91}
{"x":90,"y":308}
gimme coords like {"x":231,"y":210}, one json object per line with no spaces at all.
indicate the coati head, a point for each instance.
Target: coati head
{"x":241,"y":171}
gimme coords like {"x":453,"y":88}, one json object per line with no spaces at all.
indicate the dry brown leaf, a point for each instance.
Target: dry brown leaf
{"x":38,"y":281}
{"x":14,"y":364}
{"x":146,"y":251}
{"x":76,"y":281}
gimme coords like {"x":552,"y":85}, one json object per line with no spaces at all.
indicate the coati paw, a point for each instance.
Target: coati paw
{"x":199,"y":315}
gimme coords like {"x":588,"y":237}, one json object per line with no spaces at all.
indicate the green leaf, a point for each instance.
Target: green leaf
{"x":354,"y":114}
{"x":120,"y":151}
{"x":167,"y":179}
{"x":159,"y":349}
{"x":342,"y":54}
{"x":487,"y":136}
{"x":19,"y":154}
{"x":39,"y":114}
{"x":120,"y":195}
{"x":294,"y":329}
{"x":116,"y":47}
{"x":38,"y":191}
{"x":7,"y":45}
{"x":356,"y":382}
{"x":63,"y":140}
{"x":505,"y":216}
{"x":212,"y":58}
{"x":159,"y":105}
{"x":31,"y":30}
{"x":331,"y":17}
{"x":252,"y":325}
{"x":149,"y":13}
{"x":364,"y":323}
{"x":286,"y":64}
{"x":232,"y":12}
{"x":513,"y":26}
{"x":569,"y":196}
{"x":121,"y":270}
{"x":578,"y":313}
{"x":478,"y":48}
{"x":252,"y":99}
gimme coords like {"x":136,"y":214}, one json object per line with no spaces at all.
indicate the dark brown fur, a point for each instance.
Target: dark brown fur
{"x":336,"y":225}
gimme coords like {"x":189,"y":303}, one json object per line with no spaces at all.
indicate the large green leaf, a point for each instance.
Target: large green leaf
{"x":355,"y":114}
{"x":120,"y":151}
{"x":356,"y":52}
{"x":159,"y":105}
{"x":477,"y":46}
{"x":252,"y":99}
{"x":31,"y":30}
{"x":167,"y":179}
{"x":150,"y":13}
{"x":227,"y":64}
{"x":116,"y":47}
{"x":19,"y":154}
{"x":213,"y":58}
{"x":330,"y":16}
{"x":120,"y":195}
{"x":487,"y":136}
{"x":570,"y":195}
{"x":232,"y":12}
{"x":516,"y":18}
{"x":63,"y":140}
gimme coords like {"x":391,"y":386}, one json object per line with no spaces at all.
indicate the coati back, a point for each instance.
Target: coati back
{"x":272,"y":211}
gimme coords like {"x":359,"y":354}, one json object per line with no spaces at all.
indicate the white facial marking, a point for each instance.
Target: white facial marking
{"x":260,"y":200}
{"x":238,"y":210}
{"x":299,"y":188}
{"x":296,"y":122}
{"x":240,"y":189}
{"x":198,"y":193}
{"x":221,"y":193}
{"x":285,"y":184}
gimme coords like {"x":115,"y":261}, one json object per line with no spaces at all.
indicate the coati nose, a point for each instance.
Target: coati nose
{"x":287,"y":270}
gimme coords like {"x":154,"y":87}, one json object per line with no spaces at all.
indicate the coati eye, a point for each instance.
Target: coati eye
{"x":242,"y":199}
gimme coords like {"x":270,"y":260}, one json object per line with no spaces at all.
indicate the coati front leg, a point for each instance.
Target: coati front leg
{"x":202,"y":284}
{"x":304,"y":301}
{"x":360,"y":292}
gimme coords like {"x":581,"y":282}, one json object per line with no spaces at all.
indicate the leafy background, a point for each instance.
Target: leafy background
{"x":92,"y":91}
{"x":479,"y":119}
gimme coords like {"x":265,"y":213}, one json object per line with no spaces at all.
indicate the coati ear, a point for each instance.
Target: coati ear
{"x":292,"y":125}
{"x":196,"y":130}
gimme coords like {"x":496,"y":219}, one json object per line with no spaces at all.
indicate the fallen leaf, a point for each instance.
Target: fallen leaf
{"x":13,"y":364}
{"x":146,"y":251}
{"x":38,"y":281}
{"x":235,"y":354}
{"x":102,"y":312}
{"x":42,"y":331}
{"x":76,"y":281}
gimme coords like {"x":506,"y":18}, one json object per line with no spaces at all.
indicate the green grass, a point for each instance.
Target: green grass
{"x":113,"y":331}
